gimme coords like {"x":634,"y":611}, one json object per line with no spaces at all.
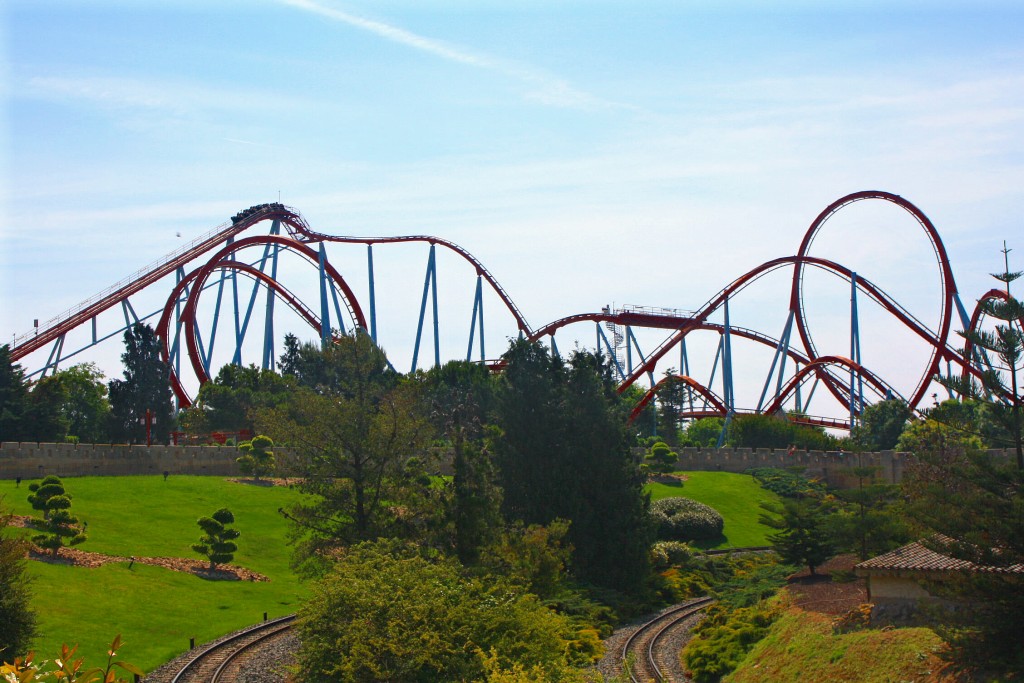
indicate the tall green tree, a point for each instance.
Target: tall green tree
{"x":360,"y":442}
{"x":999,"y":386}
{"x":13,"y":397}
{"x":17,"y":618}
{"x":145,"y":387}
{"x":226,"y":403}
{"x":459,"y":397}
{"x":563,"y":453}
{"x":872,"y":519}
{"x":803,"y":536}
{"x":86,"y":407}
{"x":881,"y":425}
{"x":671,"y":399}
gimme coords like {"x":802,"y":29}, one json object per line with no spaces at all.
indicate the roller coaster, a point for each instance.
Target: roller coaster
{"x":210,"y":287}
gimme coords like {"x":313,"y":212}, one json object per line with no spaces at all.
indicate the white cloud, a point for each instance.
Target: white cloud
{"x":543,"y":87}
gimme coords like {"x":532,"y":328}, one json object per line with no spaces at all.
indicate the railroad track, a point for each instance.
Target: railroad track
{"x":219,"y":662}
{"x":643,"y":644}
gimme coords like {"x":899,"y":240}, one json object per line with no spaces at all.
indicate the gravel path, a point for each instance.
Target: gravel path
{"x":611,"y":664}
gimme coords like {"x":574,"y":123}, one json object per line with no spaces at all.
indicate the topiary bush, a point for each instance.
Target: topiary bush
{"x":683,"y":519}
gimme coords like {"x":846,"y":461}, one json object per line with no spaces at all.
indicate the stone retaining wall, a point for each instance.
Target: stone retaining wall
{"x":35,"y":460}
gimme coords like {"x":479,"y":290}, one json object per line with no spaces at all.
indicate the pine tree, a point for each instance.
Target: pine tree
{"x":13,"y":397}
{"x":1006,"y":343}
{"x":218,"y":541}
{"x":145,"y":387}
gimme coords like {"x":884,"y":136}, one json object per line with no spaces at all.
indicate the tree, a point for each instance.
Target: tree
{"x":660,"y":458}
{"x":671,"y":399}
{"x":17,"y":619}
{"x":775,"y":431}
{"x":217,"y":543}
{"x":13,"y":397}
{"x":871,"y":521}
{"x":257,"y":459}
{"x":57,"y":523}
{"x":803,"y":537}
{"x":145,"y":387}
{"x":563,"y":453}
{"x":359,"y":441}
{"x":85,"y":406}
{"x":458,"y":397}
{"x":43,"y":419}
{"x":881,"y":425}
{"x":1005,"y":343}
{"x":226,"y":403}
{"x":703,"y":433}
{"x":385,"y":613}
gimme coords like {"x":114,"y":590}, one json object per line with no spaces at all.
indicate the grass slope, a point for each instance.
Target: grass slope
{"x":737,"y":497}
{"x":156,"y":610}
{"x":801,"y":646}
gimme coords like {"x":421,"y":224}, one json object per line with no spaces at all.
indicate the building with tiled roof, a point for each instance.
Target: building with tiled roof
{"x":895,"y":578}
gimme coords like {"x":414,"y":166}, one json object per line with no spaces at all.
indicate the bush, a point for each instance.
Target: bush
{"x":787,"y":483}
{"x":724,"y":638}
{"x":683,"y":519}
{"x":218,"y":542}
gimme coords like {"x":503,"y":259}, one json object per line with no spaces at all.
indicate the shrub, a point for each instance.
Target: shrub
{"x":787,"y":483}
{"x":683,"y":519}
{"x":217,"y":544}
{"x":660,"y":458}
{"x":724,"y":637}
{"x":57,"y":523}
{"x":17,"y":619}
{"x":257,"y":459}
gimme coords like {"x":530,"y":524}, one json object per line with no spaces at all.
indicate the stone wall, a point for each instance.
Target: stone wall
{"x":35,"y":460}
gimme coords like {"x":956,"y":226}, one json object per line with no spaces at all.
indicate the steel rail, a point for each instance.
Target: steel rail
{"x":671,"y":618}
{"x":191,"y":671}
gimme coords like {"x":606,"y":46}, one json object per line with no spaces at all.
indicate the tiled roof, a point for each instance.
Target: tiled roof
{"x":917,"y":558}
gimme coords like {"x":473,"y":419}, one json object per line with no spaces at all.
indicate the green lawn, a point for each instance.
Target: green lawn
{"x":156,"y":610}
{"x":737,"y":497}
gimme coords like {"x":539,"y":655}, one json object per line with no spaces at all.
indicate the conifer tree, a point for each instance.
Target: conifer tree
{"x":218,"y":541}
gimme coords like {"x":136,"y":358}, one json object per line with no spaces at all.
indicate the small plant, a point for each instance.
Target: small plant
{"x":660,"y":458}
{"x":57,"y":523}
{"x":67,"y":668}
{"x":257,"y":459}
{"x":217,"y":544}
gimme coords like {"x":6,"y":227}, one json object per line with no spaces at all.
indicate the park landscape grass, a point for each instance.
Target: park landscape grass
{"x":157,"y":610}
{"x":737,"y":497}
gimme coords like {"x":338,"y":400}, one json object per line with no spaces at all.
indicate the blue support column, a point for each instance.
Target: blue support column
{"x":423,"y":308}
{"x":730,"y":399}
{"x":237,"y":358}
{"x":373,"y":296}
{"x":325,"y":310}
{"x":477,"y":306}
{"x":268,"y":323}
{"x":781,"y":353}
{"x":433,"y":296}
{"x":602,"y":338}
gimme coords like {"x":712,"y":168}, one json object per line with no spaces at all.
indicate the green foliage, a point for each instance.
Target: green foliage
{"x":998,"y":387}
{"x":789,"y":483}
{"x":871,"y":520}
{"x":217,"y":542}
{"x":880,"y":425}
{"x":385,"y":613}
{"x":58,"y":526}
{"x":724,"y":637}
{"x":536,"y":556}
{"x":226,"y":403}
{"x":987,"y":530}
{"x":13,"y":398}
{"x":70,"y":404}
{"x":17,"y":618}
{"x":804,"y":536}
{"x":144,"y":387}
{"x":683,"y":519}
{"x":69,"y":667}
{"x":257,"y":459}
{"x":703,"y":433}
{"x":360,"y":439}
{"x":563,"y":453}
{"x":775,"y":431}
{"x":672,"y":396}
{"x":661,"y":458}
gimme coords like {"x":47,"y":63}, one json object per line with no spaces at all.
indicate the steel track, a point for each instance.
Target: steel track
{"x":646,"y":639}
{"x":211,"y":664}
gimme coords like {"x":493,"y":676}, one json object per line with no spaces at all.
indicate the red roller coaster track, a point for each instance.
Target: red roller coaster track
{"x":219,"y":250}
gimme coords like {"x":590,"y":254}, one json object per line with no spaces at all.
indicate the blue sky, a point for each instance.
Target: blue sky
{"x":587,"y":153}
